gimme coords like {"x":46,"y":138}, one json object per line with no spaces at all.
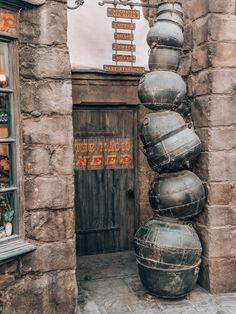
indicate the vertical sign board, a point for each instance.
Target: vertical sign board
{"x":123,"y":36}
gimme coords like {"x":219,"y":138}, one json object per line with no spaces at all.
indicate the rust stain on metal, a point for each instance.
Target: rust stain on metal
{"x":123,"y":58}
{"x":121,"y":68}
{"x":123,"y":25}
{"x":124,"y":36}
{"x":123,"y":13}
{"x":123,"y":47}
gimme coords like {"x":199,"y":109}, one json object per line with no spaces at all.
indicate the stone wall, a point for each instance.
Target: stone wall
{"x":209,"y":67}
{"x":44,"y":281}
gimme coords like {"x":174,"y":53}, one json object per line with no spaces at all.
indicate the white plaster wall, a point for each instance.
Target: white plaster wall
{"x":90,"y":37}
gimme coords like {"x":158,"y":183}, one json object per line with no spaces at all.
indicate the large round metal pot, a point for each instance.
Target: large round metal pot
{"x":169,"y":144}
{"x":180,"y":195}
{"x":169,"y":283}
{"x":164,"y":58}
{"x":161,"y":90}
{"x":167,"y":33}
{"x":167,"y":242}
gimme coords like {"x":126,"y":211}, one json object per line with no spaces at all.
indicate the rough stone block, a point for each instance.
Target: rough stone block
{"x":219,"y":6}
{"x":203,"y":83}
{"x":44,"y":62}
{"x":214,"y":110}
{"x":50,"y":257}
{"x":200,"y":31}
{"x":216,"y":166}
{"x":195,"y":9}
{"x":217,"y":139}
{"x":49,"y":226}
{"x":62,"y":160}
{"x":188,"y":37}
{"x":49,"y":192}
{"x":190,"y":85}
{"x":200,"y":58}
{"x":217,"y":276}
{"x":50,"y":293}
{"x":222,"y":54}
{"x":56,"y":130}
{"x":222,"y":166}
{"x":185,"y":64}
{"x":220,"y":193}
{"x":41,"y":160}
{"x":217,"y":216}
{"x":201,"y":167}
{"x":222,"y":27}
{"x":9,"y":268}
{"x":217,"y":242}
{"x":47,"y":97}
{"x":37,"y":159}
{"x":6,"y":280}
{"x":44,"y":25}
{"x":223,"y":81}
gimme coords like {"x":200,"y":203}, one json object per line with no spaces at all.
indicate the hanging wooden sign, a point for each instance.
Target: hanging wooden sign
{"x":123,"y":25}
{"x":123,"y":69}
{"x":123,"y":13}
{"x":123,"y":47}
{"x":124,"y":36}
{"x":123,"y":58}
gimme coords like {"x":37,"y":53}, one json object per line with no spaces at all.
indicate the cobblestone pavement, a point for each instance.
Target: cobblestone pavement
{"x":109,"y":284}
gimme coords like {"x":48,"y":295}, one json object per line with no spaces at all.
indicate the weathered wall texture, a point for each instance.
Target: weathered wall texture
{"x":209,"y":66}
{"x":44,"y":281}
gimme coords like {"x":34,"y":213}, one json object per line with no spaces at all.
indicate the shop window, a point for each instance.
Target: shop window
{"x":11,"y":243}
{"x":8,"y":186}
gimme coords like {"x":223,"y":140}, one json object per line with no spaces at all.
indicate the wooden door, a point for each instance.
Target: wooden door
{"x":105,"y":147}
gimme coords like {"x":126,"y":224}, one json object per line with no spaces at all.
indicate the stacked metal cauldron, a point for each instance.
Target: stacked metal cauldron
{"x":167,"y":247}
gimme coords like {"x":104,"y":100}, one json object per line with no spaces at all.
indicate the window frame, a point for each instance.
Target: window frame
{"x":14,"y":245}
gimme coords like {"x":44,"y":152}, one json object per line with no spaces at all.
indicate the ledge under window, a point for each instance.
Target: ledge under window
{"x":19,"y":4}
{"x":13,"y":247}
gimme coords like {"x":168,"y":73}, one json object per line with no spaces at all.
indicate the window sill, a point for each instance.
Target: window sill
{"x":12,"y":247}
{"x":20,"y":4}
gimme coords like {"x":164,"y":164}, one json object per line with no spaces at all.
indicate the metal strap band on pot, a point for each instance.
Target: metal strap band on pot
{"x":169,"y":2}
{"x":164,"y":137}
{"x":172,"y":270}
{"x":156,"y":45}
{"x":150,"y":262}
{"x":178,"y":206}
{"x":170,"y":11}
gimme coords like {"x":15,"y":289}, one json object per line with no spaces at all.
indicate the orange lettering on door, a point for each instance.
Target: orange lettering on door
{"x":111,"y":160}
{"x":96,"y":161}
{"x":82,"y":161}
{"x":125,"y":159}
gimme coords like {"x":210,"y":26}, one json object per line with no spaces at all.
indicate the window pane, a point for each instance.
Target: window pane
{"x":4,"y":65}
{"x":6,"y":214}
{"x":5,"y":165}
{"x":4,"y":116}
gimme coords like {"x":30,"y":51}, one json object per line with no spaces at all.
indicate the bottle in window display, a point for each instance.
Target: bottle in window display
{"x":3,"y":76}
{"x":6,"y":216}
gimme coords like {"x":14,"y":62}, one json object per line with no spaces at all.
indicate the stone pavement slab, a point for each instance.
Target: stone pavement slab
{"x":110,"y":284}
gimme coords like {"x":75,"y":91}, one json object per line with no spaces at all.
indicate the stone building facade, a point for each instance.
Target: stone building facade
{"x":44,"y":280}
